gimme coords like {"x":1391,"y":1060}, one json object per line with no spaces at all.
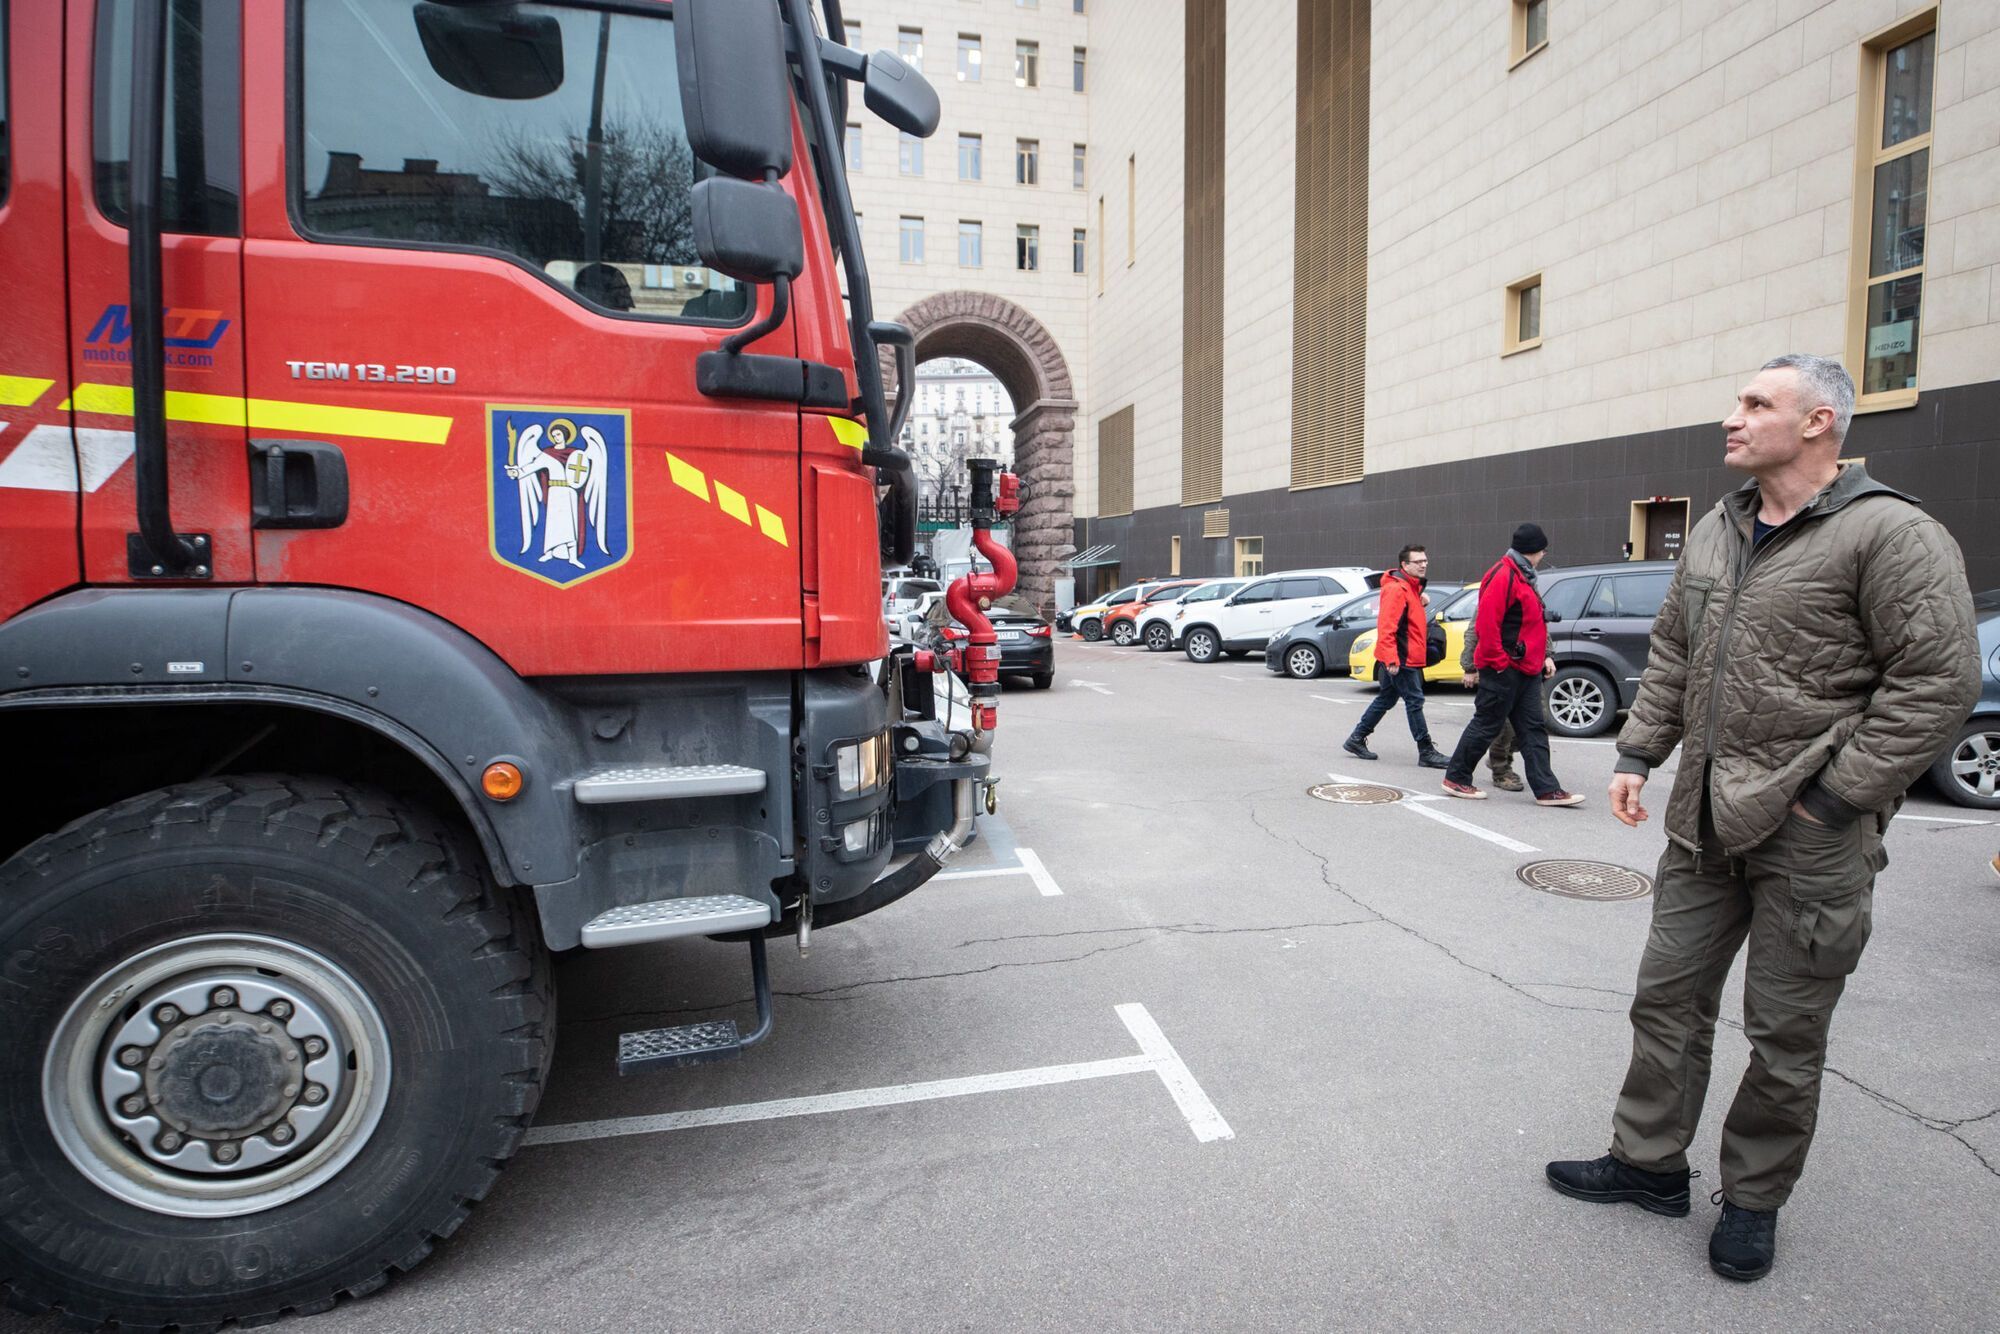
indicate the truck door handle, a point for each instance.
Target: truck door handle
{"x":297,"y":484}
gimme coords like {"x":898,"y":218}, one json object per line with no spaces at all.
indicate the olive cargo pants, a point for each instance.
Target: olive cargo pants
{"x":1803,"y":899}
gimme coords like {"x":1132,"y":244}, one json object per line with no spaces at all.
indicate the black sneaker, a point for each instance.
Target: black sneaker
{"x":1606,"y":1180}
{"x":1358,"y":748}
{"x":1744,"y":1243}
{"x":1432,"y":758}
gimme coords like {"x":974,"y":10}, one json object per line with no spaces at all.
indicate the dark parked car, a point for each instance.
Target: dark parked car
{"x":1027,"y":648}
{"x":1969,"y":770}
{"x":1600,"y":624}
{"x":1321,"y":646}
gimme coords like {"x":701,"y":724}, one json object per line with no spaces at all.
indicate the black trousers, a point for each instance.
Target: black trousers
{"x":1507,"y":696}
{"x":1406,"y":684}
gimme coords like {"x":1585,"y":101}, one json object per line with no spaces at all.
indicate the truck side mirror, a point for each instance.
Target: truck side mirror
{"x":491,"y":50}
{"x":750,"y":232}
{"x":735,"y":96}
{"x":900,"y":95}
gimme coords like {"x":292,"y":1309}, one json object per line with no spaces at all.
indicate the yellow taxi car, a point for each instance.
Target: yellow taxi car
{"x":1455,"y":616}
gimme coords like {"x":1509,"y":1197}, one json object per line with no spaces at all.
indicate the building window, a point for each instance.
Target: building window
{"x":1027,"y":248}
{"x":1531,"y":29}
{"x":1027,"y":4}
{"x":1892,"y":189}
{"x":1076,"y":6}
{"x":657,"y":277}
{"x":1249,"y":557}
{"x":910,"y":46}
{"x":1174,"y":542}
{"x":1027,"y":64}
{"x":968,"y":157}
{"x":1076,"y":69}
{"x":1076,"y":166}
{"x":1100,"y":245}
{"x":853,"y":149}
{"x":1027,"y":161}
{"x":910,"y":241}
{"x":1524,"y":315}
{"x":1077,"y":239}
{"x":971,"y":245}
{"x":909,"y":154}
{"x":1131,"y":209}
{"x":968,"y":57}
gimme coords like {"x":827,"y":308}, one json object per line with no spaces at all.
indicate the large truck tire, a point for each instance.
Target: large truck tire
{"x":262,"y":1041}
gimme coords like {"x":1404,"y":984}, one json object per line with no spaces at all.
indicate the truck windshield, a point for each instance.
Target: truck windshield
{"x":425,"y":125}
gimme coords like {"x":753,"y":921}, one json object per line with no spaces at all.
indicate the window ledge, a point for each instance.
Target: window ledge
{"x":1528,"y":346}
{"x":1527,"y":55}
{"x":1886,"y":402}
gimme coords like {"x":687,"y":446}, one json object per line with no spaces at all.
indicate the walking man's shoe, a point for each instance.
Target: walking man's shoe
{"x":1358,"y":748}
{"x":1744,"y":1243}
{"x":1509,"y":781}
{"x":1466,"y":790}
{"x":1559,"y":798}
{"x":1433,"y":758}
{"x":1607,"y":1181}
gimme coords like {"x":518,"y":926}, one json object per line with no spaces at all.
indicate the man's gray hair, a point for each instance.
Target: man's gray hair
{"x":1826,"y":384}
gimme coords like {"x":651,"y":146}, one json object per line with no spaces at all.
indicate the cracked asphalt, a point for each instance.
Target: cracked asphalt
{"x":1398,"y":1031}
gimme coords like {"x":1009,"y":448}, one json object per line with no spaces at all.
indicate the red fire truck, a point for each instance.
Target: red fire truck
{"x":445,"y":474}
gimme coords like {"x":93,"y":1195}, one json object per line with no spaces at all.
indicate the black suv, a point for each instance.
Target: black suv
{"x":1600,"y":622}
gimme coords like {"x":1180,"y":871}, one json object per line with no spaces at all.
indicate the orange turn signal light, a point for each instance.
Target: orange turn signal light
{"x":501,"y":781}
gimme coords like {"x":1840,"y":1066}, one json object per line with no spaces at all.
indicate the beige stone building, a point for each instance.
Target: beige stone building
{"x":1371,"y":273}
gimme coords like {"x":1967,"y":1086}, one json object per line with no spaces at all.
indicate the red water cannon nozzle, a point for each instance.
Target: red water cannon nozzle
{"x":995,"y":495}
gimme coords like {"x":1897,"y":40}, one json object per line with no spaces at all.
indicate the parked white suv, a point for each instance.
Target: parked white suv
{"x":1246,"y":619}
{"x":1159,"y":625}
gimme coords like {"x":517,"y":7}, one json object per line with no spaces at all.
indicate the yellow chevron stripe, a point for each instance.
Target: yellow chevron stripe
{"x":21,"y":391}
{"x":688,"y":477}
{"x":848,"y":432}
{"x":271,"y":414}
{"x":732,"y":504}
{"x":727,"y":498}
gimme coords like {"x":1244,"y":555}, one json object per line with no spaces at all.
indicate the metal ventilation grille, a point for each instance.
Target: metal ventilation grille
{"x":1330,"y":263}
{"x":1114,"y":462}
{"x":1201,"y":256}
{"x":1215,"y":523}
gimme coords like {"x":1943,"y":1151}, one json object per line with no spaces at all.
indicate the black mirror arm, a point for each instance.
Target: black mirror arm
{"x":781,"y":304}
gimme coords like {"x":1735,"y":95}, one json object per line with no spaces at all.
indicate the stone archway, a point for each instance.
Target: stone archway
{"x":1023,"y":356}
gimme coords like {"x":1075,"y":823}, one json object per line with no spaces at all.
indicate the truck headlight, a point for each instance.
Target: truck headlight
{"x":859,"y":836}
{"x":860,"y":767}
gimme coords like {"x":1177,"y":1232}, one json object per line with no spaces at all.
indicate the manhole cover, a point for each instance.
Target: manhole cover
{"x":1586,"y":880}
{"x":1356,"y":794}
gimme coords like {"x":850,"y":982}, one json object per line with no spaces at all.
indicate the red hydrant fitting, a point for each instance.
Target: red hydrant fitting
{"x":971,"y":594}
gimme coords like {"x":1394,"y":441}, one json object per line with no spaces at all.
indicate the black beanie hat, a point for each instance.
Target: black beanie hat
{"x":1529,"y":538}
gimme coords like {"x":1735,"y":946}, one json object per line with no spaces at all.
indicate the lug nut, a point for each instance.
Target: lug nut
{"x":132,"y":1057}
{"x":291,"y":1090}
{"x":169,"y":1142}
{"x":315,"y":1094}
{"x":315,"y":1046}
{"x":167,"y":1016}
{"x":222,"y":997}
{"x":133,"y":1105}
{"x":279,"y":1009}
{"x":226,"y":1153}
{"x":281,"y":1134}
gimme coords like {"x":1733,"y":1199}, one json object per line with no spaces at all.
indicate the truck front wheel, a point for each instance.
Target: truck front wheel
{"x":266,"y":1040}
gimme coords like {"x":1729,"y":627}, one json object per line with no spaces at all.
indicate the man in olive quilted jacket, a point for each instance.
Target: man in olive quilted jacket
{"x":1815,"y":651}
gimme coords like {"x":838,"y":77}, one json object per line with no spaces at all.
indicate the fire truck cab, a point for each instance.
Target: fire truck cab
{"x":445,"y":477}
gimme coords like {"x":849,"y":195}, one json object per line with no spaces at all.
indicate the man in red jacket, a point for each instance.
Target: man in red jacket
{"x":1401,"y":631}
{"x":1513,"y":660}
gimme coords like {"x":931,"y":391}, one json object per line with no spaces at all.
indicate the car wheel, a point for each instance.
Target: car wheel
{"x":1302,"y":662}
{"x":1969,"y":772}
{"x":1580,"y":702}
{"x":1158,"y":638}
{"x":1201,"y":645}
{"x":1124,"y":633}
{"x":281,"y":1033}
{"x":1092,"y":630}
{"x":1043,"y":680}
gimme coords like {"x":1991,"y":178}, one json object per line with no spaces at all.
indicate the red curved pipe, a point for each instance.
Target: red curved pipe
{"x":967,"y":599}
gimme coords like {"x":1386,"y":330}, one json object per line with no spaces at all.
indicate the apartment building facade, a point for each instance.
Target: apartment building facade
{"x":1375,"y":273}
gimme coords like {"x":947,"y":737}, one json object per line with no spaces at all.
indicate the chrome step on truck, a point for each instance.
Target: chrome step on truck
{"x":670,"y":919}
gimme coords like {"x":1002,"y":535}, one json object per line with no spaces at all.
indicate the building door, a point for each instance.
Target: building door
{"x":1666,"y":527}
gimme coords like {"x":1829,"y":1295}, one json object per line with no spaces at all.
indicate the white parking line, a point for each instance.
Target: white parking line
{"x":1416,"y":803}
{"x":1941,"y":819}
{"x":1043,"y":880}
{"x":1090,"y":685}
{"x":1331,"y":700}
{"x":1157,"y":1057}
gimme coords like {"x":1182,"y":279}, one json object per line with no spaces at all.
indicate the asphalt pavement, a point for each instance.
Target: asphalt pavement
{"x":1201,"y":1051}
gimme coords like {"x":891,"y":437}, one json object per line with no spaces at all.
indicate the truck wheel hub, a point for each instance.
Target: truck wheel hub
{"x":217,"y":1076}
